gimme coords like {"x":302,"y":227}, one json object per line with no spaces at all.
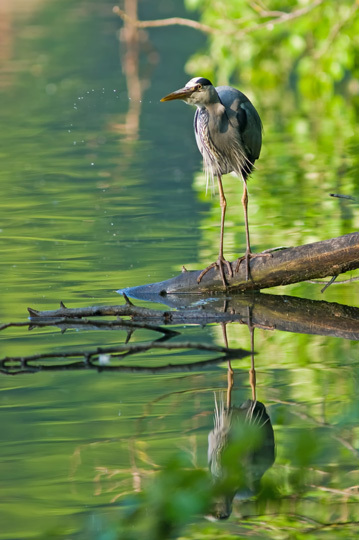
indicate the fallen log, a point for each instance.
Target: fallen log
{"x":291,"y":265}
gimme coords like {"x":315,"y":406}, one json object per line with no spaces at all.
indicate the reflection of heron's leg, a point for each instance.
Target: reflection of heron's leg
{"x":230,"y":370}
{"x":229,"y":385}
{"x":252,"y":381}
{"x":252,"y":371}
{"x":224,"y":331}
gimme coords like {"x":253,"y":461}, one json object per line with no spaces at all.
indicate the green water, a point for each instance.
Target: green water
{"x":99,"y":192}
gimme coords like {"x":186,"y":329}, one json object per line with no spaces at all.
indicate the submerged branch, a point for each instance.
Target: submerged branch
{"x":131,"y":348}
{"x":128,"y":310}
{"x":16,"y":369}
{"x":65,"y":323}
{"x":103,"y":358}
{"x":267,"y":311}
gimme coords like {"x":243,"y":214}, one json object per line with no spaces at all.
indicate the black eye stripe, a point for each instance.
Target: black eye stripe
{"x":204,"y":82}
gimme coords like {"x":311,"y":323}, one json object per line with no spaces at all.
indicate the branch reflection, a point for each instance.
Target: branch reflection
{"x":133,"y":41}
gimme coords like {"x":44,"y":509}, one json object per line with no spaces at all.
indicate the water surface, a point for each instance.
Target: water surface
{"x":101,"y":189}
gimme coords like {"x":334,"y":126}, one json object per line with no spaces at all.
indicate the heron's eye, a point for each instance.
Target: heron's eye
{"x":199,"y":87}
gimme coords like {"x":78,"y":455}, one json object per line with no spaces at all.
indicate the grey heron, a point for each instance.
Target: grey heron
{"x":228,"y":133}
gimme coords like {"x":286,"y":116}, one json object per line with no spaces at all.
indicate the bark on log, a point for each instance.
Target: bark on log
{"x":292,"y":265}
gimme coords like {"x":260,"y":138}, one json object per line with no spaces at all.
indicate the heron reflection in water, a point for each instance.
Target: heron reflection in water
{"x":241,"y":448}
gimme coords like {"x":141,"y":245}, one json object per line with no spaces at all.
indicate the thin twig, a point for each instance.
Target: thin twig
{"x":14,"y":324}
{"x":328,"y":284}
{"x":284,"y":16}
{"x":340,"y":196}
{"x":164,"y":22}
{"x":341,"y":282}
{"x":127,"y":300}
{"x":275,"y":17}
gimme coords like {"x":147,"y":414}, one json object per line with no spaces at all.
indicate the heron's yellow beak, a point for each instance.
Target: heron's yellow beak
{"x":182,"y":93}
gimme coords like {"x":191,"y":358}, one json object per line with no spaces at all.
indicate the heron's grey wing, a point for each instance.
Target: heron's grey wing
{"x":249,"y":123}
{"x":251,"y":128}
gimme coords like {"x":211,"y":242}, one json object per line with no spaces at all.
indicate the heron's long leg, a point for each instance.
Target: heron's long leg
{"x":245,"y":210}
{"x":229,"y":369}
{"x":221,"y":260}
{"x":223,"y":203}
{"x":248,"y":255}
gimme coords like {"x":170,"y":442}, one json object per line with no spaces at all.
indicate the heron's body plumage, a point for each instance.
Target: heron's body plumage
{"x":228,"y":133}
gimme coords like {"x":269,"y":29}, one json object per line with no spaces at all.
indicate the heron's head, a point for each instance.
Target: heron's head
{"x":198,"y":91}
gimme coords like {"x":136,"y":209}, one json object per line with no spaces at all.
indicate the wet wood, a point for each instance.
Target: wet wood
{"x":267,"y":311}
{"x":127,"y":310}
{"x":310,"y":261}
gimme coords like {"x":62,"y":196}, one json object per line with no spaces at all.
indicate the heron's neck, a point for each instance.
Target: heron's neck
{"x":217,"y":116}
{"x":215,"y":108}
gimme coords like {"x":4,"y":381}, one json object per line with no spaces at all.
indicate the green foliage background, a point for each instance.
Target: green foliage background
{"x":299,"y":63}
{"x":76,"y":232}
{"x":311,"y":47}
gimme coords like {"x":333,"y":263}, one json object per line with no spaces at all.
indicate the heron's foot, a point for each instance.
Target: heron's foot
{"x":220,"y":263}
{"x":249,"y":255}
